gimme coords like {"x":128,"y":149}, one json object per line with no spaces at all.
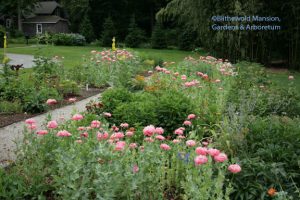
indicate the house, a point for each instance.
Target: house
{"x":47,"y":16}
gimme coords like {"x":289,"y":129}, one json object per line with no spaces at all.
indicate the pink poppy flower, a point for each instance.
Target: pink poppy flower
{"x":159,"y":130}
{"x":191,"y":116}
{"x":187,"y":123}
{"x":213,"y":152}
{"x":201,"y":151}
{"x":51,"y":102}
{"x":200,"y":160}
{"x":77,"y":117}
{"x":30,"y":121}
{"x":135,"y":169}
{"x":181,"y":137}
{"x":149,"y":130}
{"x":165,"y":147}
{"x":132,"y":145}
{"x":106,"y":114}
{"x":160,"y":137}
{"x":85,"y":134}
{"x":178,"y":131}
{"x":31,"y":126}
{"x":63,"y":133}
{"x":129,"y":133}
{"x":81,"y":128}
{"x":176,"y":141}
{"x":42,"y":132}
{"x":220,"y":157}
{"x":149,"y":139}
{"x":235,"y":168}
{"x":124,"y":125}
{"x":183,"y":77}
{"x":78,"y":141}
{"x":190,"y":143}
{"x":120,"y":146}
{"x":95,"y":124}
{"x":52,"y":124}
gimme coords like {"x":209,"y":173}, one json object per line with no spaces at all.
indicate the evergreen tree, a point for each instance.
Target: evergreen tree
{"x":158,"y":39}
{"x":135,"y":35}
{"x":109,"y":31}
{"x":86,"y":29}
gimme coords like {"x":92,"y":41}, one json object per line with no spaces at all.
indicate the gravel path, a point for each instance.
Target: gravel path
{"x":17,"y":59}
{"x":12,"y":133}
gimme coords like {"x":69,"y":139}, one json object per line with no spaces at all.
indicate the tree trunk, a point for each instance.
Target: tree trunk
{"x":19,"y":16}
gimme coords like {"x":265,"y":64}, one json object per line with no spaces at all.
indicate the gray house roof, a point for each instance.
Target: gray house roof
{"x":46,"y":7}
{"x":48,"y":19}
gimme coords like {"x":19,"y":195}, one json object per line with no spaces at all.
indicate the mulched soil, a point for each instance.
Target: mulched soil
{"x":8,"y":119}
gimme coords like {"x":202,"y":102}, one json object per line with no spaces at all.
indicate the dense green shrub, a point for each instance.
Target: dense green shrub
{"x":269,"y":150}
{"x":112,"y":98}
{"x":158,"y":39}
{"x":10,"y":107}
{"x":109,"y":31}
{"x":68,"y":87}
{"x":68,"y":39}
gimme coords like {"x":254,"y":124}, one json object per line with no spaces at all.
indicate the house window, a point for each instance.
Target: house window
{"x":8,"y":23}
{"x":39,"y":29}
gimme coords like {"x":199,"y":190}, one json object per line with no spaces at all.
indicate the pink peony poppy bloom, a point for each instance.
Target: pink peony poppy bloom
{"x":200,"y":160}
{"x":119,"y":135}
{"x":106,"y":114}
{"x":190,"y":143}
{"x":124,"y":125}
{"x":78,"y":141}
{"x":135,"y":169}
{"x":160,"y":137}
{"x":149,"y":130}
{"x":159,"y":130}
{"x":191,"y":116}
{"x":205,"y":143}
{"x":77,"y":117}
{"x":176,"y":74}
{"x":178,"y":131}
{"x":176,"y":141}
{"x":52,"y":124}
{"x":81,"y":128}
{"x":63,"y":133}
{"x":132,"y":145}
{"x":213,"y":152}
{"x":187,"y":123}
{"x":149,"y":139}
{"x":181,"y":137}
{"x":85,"y":134}
{"x":220,"y":157}
{"x":102,"y":136}
{"x":95,"y":124}
{"x":120,"y":146}
{"x":129,"y":133}
{"x":30,"y":121}
{"x":31,"y":126}
{"x":165,"y":147}
{"x":42,"y":132}
{"x":201,"y":151}
{"x":183,"y":77}
{"x":235,"y":168}
{"x":51,"y":102}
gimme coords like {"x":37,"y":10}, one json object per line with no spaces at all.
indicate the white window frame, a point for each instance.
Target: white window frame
{"x":8,"y":23}
{"x":37,"y":28}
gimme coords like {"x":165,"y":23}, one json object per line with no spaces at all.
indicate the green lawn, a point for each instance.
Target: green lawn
{"x":73,"y":56}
